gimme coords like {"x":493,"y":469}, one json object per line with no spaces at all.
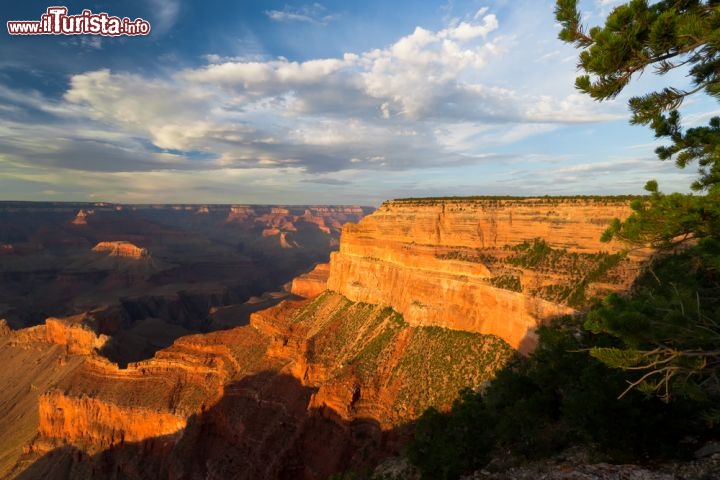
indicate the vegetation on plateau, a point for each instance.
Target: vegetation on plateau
{"x":500,"y":199}
{"x":581,"y":269}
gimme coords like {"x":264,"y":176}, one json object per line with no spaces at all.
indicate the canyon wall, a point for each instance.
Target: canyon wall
{"x":30,"y":367}
{"x":312,"y":283}
{"x":307,"y":389}
{"x":449,"y":262}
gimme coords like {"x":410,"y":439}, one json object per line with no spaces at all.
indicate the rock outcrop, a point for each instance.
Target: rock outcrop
{"x":240,"y":214}
{"x":455,"y":263}
{"x":80,"y":218}
{"x":285,"y":243}
{"x":328,"y":220}
{"x":121,"y":249}
{"x":103,"y":424}
{"x":74,"y":335}
{"x":308,"y":389}
{"x":101,"y":406}
{"x":30,"y":366}
{"x":312,"y":283}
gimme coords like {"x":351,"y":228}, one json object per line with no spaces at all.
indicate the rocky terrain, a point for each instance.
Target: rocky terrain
{"x":156,"y":270}
{"x":571,"y":464}
{"x":496,"y":266}
{"x":308,"y":388}
{"x":32,"y":365}
{"x":121,"y":249}
{"x":424,"y":298}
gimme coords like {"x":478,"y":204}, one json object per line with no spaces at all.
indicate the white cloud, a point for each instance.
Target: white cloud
{"x":313,"y":13}
{"x":166,"y":13}
{"x":281,"y":112}
{"x":468,"y":31}
{"x":431,"y":99}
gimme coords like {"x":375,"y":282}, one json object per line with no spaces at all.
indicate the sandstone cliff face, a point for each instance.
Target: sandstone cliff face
{"x":308,"y":389}
{"x":572,"y":223}
{"x":101,"y":406}
{"x":30,"y":366}
{"x":73,"y":335}
{"x":441,"y":262}
{"x":316,"y":386}
{"x":312,"y":283}
{"x":104,"y":424}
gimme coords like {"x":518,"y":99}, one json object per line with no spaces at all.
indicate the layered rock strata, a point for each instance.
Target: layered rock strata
{"x":312,"y":283}
{"x":448,"y":262}
{"x":423,"y":292}
{"x":308,"y":389}
{"x":121,"y":249}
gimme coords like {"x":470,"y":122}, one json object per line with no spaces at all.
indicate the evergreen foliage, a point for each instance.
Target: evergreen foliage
{"x":556,"y":398}
{"x":665,"y":35}
{"x":670,"y":329}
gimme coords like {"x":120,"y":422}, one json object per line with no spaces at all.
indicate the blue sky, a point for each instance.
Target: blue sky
{"x":315,"y":102}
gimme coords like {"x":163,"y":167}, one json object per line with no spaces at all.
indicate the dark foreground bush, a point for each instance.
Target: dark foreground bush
{"x":558,"y":397}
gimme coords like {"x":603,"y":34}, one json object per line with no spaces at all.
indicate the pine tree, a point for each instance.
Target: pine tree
{"x":666,"y":35}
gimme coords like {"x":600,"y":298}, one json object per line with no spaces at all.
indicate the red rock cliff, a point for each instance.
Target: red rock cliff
{"x":312,"y":283}
{"x":440,"y":262}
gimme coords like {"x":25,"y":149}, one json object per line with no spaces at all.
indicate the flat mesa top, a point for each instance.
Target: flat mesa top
{"x":509,"y":200}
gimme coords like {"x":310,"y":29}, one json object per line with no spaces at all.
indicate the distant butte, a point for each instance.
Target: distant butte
{"x":121,"y":249}
{"x":80,"y":218}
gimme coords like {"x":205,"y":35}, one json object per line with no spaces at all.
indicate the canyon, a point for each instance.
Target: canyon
{"x":424,"y":297}
{"x":155,"y":270}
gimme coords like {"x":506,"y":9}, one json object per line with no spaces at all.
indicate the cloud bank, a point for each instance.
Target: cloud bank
{"x":382,"y":120}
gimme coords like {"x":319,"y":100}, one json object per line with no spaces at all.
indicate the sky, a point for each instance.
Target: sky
{"x":332,"y":102}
